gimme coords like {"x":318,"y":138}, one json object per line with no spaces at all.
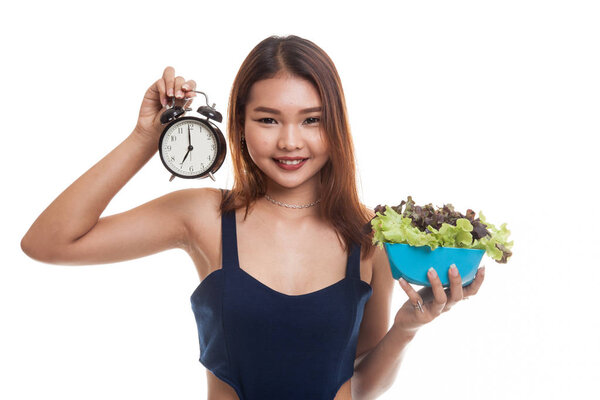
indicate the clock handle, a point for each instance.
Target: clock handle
{"x":188,"y":99}
{"x":205,"y":96}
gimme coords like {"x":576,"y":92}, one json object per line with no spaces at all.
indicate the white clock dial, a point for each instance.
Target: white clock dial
{"x":189,"y":147}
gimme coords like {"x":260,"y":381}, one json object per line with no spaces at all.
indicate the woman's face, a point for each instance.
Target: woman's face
{"x":283,"y":120}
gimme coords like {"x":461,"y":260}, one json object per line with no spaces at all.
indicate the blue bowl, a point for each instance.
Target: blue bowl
{"x":412,"y":263}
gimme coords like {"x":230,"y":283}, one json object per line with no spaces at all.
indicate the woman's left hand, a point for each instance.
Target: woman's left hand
{"x":433,"y":300}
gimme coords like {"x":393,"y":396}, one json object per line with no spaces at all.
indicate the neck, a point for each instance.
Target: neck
{"x":297,"y":196}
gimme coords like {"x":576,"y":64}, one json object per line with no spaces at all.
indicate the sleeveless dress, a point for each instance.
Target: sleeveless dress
{"x":270,"y":345}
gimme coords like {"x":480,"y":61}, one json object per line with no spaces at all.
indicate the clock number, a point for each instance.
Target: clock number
{"x":168,"y":148}
{"x":180,"y":129}
{"x":172,"y":158}
{"x":191,"y":168}
{"x":191,"y":126}
{"x":173,"y":138}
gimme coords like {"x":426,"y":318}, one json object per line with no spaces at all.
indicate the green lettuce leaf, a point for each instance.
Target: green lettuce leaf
{"x":444,"y":227}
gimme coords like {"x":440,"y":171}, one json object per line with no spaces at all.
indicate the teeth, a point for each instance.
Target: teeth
{"x":290,"y":162}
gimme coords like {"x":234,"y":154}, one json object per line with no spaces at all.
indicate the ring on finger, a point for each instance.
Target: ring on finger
{"x":418,"y":306}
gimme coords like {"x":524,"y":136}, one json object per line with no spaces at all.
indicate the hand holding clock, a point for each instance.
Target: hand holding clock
{"x":163,"y":121}
{"x":158,"y":95}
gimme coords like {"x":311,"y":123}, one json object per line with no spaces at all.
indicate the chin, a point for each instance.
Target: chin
{"x":287,"y":183}
{"x":292,"y":183}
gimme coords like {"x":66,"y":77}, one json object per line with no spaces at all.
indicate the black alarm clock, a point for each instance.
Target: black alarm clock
{"x":191,"y":147}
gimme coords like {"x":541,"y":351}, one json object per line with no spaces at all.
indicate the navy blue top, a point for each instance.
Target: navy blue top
{"x":270,"y":345}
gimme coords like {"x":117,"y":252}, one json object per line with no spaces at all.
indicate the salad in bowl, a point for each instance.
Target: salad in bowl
{"x":419,"y":237}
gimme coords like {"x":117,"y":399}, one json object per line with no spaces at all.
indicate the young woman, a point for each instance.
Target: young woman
{"x":294,"y":299}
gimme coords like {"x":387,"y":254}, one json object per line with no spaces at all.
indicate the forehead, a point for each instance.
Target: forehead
{"x":284,"y":92}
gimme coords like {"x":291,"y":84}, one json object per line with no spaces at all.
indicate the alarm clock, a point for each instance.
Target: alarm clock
{"x":191,"y":147}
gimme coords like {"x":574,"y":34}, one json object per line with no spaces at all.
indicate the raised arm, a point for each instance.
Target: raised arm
{"x":70,"y":231}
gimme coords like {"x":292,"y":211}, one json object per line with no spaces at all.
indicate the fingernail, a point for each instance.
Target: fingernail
{"x":483,"y":270}
{"x":170,"y":92}
{"x":179,"y":93}
{"x":453,"y":270}
{"x":185,"y":86}
{"x":401,"y":280}
{"x":432,"y":272}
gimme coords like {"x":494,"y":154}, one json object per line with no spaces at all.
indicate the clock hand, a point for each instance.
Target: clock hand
{"x":189,"y":143}
{"x":189,"y":146}
{"x":186,"y":154}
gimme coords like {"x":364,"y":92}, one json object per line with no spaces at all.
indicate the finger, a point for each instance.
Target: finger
{"x":413,"y":296}
{"x":189,"y":85}
{"x":456,"y":290}
{"x":439,"y":296}
{"x":188,"y":89}
{"x":178,"y":82}
{"x":169,"y":78}
{"x":474,"y":286}
{"x":160,"y":85}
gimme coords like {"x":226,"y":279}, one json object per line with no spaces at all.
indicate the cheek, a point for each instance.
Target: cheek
{"x":257,"y":146}
{"x":322,"y":146}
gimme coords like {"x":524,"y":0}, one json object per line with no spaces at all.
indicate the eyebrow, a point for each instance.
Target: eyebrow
{"x":275,"y":111}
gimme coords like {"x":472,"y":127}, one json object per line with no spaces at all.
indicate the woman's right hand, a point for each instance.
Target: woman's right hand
{"x":157,"y":97}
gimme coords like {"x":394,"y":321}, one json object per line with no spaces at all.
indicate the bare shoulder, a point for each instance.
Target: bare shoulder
{"x":201,"y":208}
{"x":378,"y":258}
{"x":367,"y":264}
{"x":379,"y":262}
{"x":373,"y":254}
{"x":200,"y":201}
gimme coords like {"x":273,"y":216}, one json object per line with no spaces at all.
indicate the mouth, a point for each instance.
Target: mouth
{"x":290,"y":164}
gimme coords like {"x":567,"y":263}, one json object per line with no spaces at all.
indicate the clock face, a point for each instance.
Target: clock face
{"x":188,"y":147}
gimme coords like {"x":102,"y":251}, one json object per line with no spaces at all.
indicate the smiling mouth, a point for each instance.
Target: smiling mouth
{"x":290,"y":162}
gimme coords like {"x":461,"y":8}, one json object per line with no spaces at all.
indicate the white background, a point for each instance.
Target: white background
{"x":486,"y":105}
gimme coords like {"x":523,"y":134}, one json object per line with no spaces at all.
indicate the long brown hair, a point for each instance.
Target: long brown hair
{"x":300,"y":57}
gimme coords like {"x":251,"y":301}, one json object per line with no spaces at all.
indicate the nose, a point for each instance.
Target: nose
{"x":290,"y":137}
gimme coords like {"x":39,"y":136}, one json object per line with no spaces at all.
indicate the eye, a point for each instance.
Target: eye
{"x":312,"y":120}
{"x":266,"y":120}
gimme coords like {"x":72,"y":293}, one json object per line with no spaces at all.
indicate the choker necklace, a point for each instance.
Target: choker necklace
{"x":290,"y":205}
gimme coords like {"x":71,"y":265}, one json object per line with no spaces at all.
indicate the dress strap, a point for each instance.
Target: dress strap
{"x":353,"y":267}
{"x":229,"y":240}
